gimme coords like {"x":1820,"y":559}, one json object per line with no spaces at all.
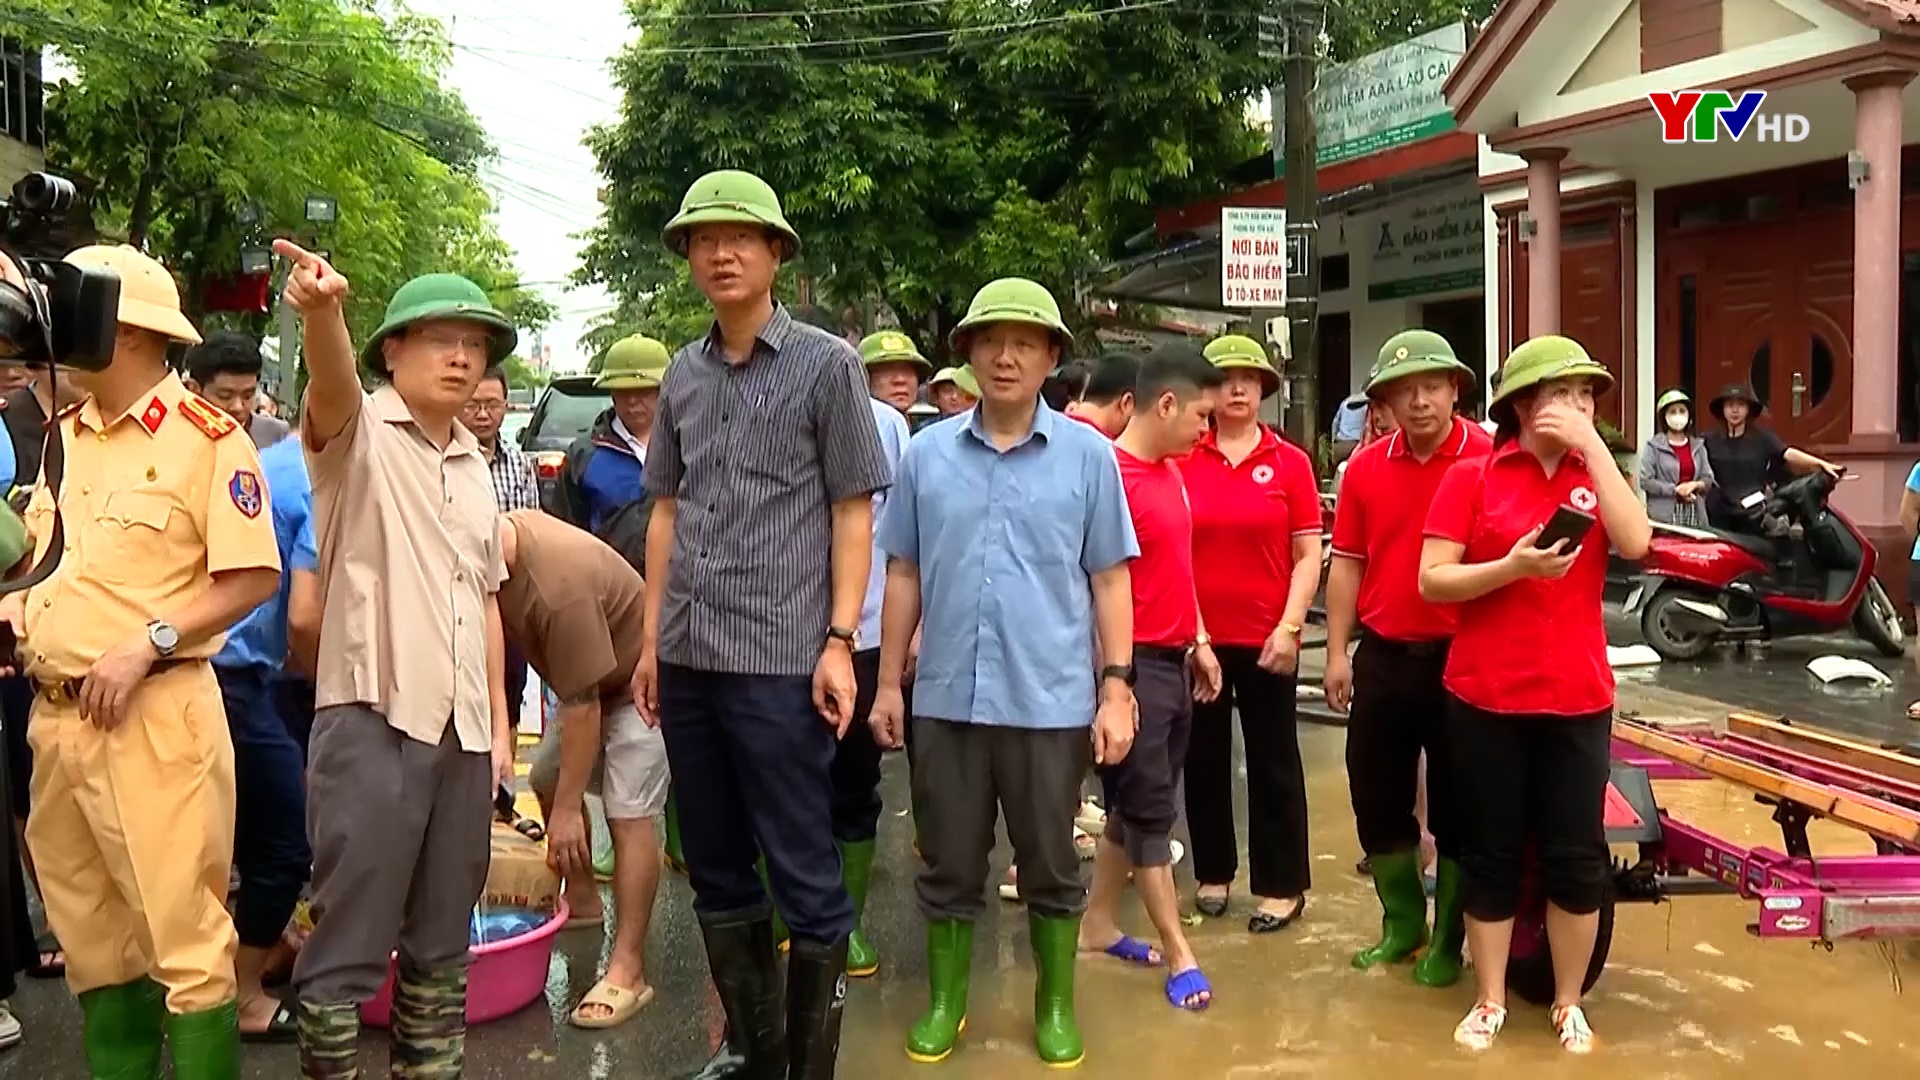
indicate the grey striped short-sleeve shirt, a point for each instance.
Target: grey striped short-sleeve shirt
{"x":755,"y":455}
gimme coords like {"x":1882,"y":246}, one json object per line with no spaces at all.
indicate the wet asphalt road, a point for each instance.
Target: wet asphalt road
{"x":1688,"y":994}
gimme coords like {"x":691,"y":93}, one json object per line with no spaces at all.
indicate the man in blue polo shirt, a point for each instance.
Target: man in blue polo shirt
{"x":270,"y":829}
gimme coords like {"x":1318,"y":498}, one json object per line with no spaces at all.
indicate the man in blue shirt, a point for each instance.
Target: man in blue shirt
{"x":603,"y":468}
{"x":270,"y":833}
{"x":1008,"y":538}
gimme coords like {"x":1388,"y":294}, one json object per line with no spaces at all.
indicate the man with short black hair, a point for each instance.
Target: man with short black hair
{"x":515,"y":487}
{"x":225,"y":369}
{"x":1106,"y":401}
{"x":1176,"y":391}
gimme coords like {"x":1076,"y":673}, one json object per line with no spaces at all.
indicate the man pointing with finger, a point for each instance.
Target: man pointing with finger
{"x":410,"y":736}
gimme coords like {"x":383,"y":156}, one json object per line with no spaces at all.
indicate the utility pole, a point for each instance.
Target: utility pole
{"x":1304,"y":21}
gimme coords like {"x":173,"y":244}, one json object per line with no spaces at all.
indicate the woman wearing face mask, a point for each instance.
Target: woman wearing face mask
{"x":1532,"y":695}
{"x":1674,"y":471}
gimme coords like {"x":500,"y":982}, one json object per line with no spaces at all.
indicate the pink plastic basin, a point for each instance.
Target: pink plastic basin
{"x":505,"y":977}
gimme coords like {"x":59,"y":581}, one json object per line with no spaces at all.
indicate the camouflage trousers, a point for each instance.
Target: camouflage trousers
{"x":429,"y":1029}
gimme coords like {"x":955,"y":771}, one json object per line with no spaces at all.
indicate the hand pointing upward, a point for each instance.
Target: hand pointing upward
{"x":314,"y":286}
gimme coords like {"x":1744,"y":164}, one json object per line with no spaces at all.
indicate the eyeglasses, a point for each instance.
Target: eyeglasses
{"x":487,"y":407}
{"x":446,"y":342}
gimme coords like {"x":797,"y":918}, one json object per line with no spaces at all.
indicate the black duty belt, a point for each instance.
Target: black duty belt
{"x":1419,"y":649}
{"x":67,"y":691}
{"x":1160,"y":652}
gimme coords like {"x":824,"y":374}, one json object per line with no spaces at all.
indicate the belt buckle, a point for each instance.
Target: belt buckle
{"x":59,"y":693}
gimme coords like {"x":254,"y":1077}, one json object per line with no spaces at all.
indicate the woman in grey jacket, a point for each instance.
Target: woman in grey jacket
{"x":1674,"y":471}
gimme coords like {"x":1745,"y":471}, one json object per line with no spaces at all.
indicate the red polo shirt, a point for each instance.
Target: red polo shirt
{"x":1245,"y":517}
{"x":1163,"y":598}
{"x":1533,"y":646}
{"x":1379,"y":519}
{"x":1089,"y":422}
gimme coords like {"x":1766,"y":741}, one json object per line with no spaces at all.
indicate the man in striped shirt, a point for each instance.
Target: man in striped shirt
{"x":763,"y":463}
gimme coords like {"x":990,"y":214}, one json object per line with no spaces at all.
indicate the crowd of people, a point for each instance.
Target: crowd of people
{"x":295,"y":656}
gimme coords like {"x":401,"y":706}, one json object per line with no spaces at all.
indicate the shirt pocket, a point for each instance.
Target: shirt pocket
{"x":1053,"y":515}
{"x":127,"y":537}
{"x":777,"y":443}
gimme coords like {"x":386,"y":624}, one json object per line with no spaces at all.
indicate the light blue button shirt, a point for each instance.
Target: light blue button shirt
{"x":1913,"y":485}
{"x":260,"y":639}
{"x":894,"y":434}
{"x":1006,"y":542}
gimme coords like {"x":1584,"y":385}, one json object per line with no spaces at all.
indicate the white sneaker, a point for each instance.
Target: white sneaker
{"x":1179,"y":852}
{"x":1570,"y":1023}
{"x":1481,"y":1026}
{"x":10,"y":1032}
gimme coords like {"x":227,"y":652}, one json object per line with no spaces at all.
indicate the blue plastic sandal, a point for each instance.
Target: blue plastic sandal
{"x":1187,"y":985}
{"x":1133,"y":951}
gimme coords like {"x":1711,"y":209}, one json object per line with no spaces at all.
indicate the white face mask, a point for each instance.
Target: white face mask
{"x":1677,"y":419}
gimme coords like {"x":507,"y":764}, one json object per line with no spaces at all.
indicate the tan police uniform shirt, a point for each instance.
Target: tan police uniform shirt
{"x":153,"y":504}
{"x":409,"y":552}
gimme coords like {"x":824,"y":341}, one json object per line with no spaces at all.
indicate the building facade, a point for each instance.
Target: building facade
{"x":23,"y":135}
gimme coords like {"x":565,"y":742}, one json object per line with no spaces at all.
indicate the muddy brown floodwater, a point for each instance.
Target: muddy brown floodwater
{"x":1686,"y":993}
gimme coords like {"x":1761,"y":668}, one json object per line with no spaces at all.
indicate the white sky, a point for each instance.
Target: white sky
{"x":534,"y":72}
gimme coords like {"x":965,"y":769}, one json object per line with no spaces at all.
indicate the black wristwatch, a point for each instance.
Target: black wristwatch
{"x":1123,"y":672}
{"x":844,"y":635}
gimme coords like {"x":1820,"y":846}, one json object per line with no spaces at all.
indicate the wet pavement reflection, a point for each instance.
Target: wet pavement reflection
{"x":1687,"y":992}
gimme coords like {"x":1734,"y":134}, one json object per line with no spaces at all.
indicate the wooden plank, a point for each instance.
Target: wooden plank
{"x":1868,"y":815}
{"x":1825,"y":746}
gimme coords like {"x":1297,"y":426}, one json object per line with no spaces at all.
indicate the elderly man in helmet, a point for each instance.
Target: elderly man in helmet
{"x":603,"y":467}
{"x":763,"y":465}
{"x":1007,"y":531}
{"x":411,"y":734}
{"x":1392,"y":683}
{"x":169,"y":542}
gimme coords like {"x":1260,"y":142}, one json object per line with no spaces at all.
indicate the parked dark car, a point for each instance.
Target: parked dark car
{"x":567,"y":409}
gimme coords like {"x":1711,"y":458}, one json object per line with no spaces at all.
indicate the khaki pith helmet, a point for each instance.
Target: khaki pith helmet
{"x":1414,"y":352}
{"x":1542,"y":359}
{"x":1240,"y":352}
{"x":149,"y":297}
{"x":893,"y":347}
{"x":728,"y":196}
{"x":1015,"y":300}
{"x":633,"y":363}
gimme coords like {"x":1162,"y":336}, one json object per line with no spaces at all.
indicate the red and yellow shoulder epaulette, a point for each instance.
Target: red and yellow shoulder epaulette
{"x":208,"y":417}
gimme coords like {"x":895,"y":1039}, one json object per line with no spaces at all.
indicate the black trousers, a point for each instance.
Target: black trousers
{"x":18,"y":948}
{"x":1532,"y":779}
{"x":856,"y":761}
{"x":16,"y":704}
{"x":752,"y":772}
{"x":1399,"y":711}
{"x":1277,"y":851}
{"x":1142,"y":789}
{"x":964,"y":777}
{"x":270,"y":845}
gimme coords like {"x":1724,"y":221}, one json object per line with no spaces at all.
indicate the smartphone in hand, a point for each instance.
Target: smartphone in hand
{"x":1566,"y":524}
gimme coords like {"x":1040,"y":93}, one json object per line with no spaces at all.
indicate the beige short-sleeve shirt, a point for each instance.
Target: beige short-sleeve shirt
{"x":409,"y":552}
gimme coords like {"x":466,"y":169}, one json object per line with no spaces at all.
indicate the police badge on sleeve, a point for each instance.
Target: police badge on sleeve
{"x":245,"y":491}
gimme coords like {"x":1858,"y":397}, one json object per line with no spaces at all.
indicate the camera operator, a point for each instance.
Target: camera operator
{"x":168,"y":543}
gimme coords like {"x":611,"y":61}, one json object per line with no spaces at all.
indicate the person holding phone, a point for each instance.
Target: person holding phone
{"x":1532,"y":695}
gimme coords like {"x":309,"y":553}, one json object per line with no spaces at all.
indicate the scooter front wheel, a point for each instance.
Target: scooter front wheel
{"x":1878,"y":621}
{"x":1672,"y":634}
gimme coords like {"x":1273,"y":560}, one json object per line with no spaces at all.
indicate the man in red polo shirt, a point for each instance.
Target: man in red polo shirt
{"x":1398,"y":706}
{"x":1176,"y":391}
{"x":1106,"y":402}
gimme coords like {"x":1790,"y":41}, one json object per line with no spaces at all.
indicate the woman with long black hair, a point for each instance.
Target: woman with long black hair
{"x":1532,"y":693}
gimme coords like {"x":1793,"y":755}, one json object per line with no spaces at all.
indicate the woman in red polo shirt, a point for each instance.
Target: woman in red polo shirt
{"x":1532,"y":694}
{"x":1256,"y":555}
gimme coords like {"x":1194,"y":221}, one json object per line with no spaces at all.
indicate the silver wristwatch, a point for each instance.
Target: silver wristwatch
{"x":163,"y":637}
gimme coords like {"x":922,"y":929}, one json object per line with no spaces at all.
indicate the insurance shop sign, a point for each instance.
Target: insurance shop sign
{"x":1383,"y":100}
{"x":1426,"y":243}
{"x":1253,"y":256}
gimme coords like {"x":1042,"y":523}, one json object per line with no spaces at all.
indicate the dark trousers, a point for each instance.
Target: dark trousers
{"x":1143,"y":788}
{"x":402,"y":838}
{"x":18,"y":948}
{"x":516,"y":674}
{"x":856,"y":761}
{"x":1277,"y":851}
{"x":16,"y":705}
{"x":1399,"y":711}
{"x":964,"y":777}
{"x":293,"y":700}
{"x":270,"y":799}
{"x":1532,"y":778}
{"x":752,"y":769}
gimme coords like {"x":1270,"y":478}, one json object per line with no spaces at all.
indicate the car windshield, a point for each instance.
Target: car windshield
{"x":571,"y":411}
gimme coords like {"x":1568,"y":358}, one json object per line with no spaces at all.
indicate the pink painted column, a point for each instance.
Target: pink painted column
{"x":1543,"y":248}
{"x":1876,"y":255}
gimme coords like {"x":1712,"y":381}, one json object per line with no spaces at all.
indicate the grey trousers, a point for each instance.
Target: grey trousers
{"x":402,"y":835}
{"x":964,"y":776}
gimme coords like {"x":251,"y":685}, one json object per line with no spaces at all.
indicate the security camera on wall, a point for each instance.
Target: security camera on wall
{"x":1280,"y":334}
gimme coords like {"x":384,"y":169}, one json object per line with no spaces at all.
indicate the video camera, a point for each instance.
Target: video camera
{"x":63,"y":314}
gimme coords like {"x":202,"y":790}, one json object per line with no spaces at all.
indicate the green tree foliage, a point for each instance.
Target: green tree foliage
{"x":184,"y":113}
{"x":921,"y":149}
{"x":1358,"y":27}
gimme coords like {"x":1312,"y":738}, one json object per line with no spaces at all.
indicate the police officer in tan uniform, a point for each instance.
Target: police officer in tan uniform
{"x":168,"y":540}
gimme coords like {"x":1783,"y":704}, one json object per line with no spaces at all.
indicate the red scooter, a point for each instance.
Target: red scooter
{"x":1806,"y":569}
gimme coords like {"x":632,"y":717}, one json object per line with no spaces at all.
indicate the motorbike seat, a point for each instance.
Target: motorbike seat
{"x":1757,"y":545}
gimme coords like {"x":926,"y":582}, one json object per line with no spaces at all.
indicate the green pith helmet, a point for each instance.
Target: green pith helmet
{"x":1011,"y":300}
{"x":14,"y":542}
{"x":1238,"y":351}
{"x":728,"y":196}
{"x":440,"y":296}
{"x":1414,"y":352}
{"x":1671,"y":397}
{"x":892,"y":347}
{"x":1540,"y":359}
{"x":961,"y":377}
{"x":633,"y":363}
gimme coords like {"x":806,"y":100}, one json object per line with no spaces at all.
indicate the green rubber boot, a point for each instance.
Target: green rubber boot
{"x":779,"y":924}
{"x":1056,"y":946}
{"x":430,"y":1022}
{"x":949,"y":967}
{"x":1403,"y":905}
{"x":123,"y":1028}
{"x":329,"y":1040}
{"x":1439,"y":966}
{"x":676,"y":862}
{"x":856,"y":869}
{"x":206,"y":1045}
